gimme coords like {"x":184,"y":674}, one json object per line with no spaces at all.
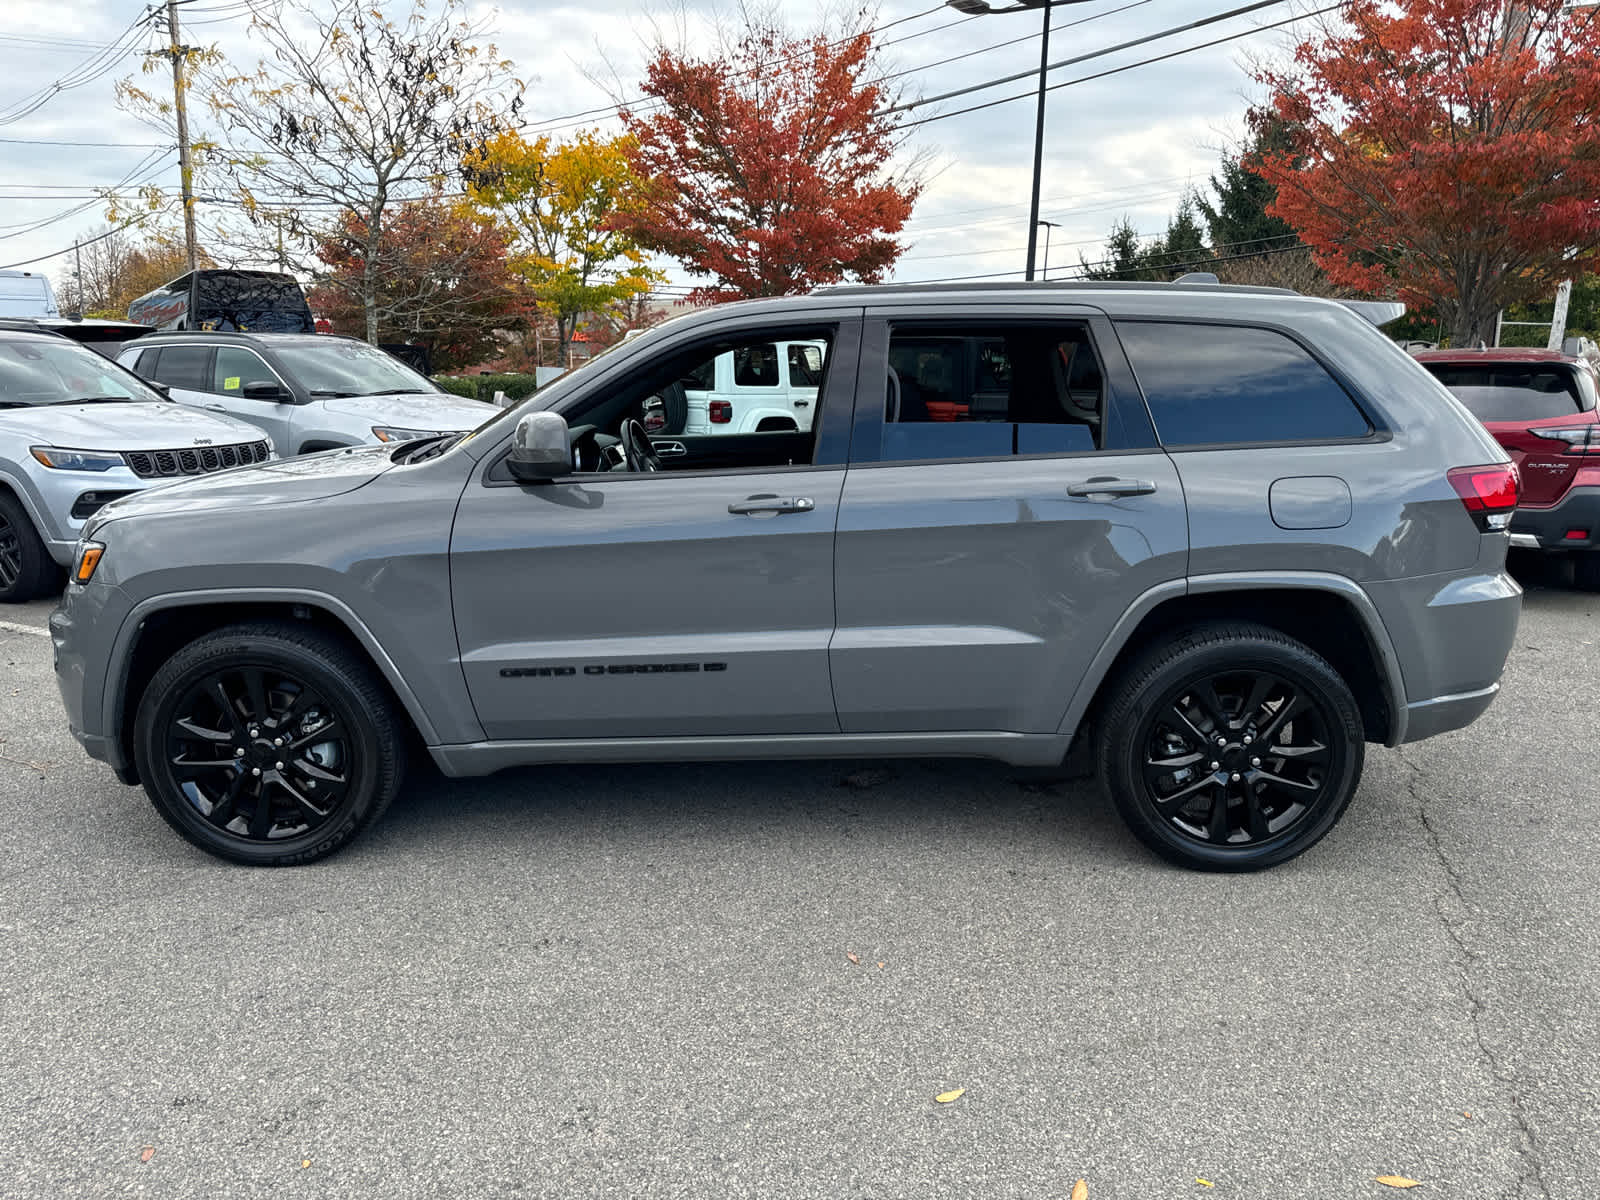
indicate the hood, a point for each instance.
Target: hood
{"x":441,"y":412}
{"x":288,"y":481}
{"x":158,"y":425}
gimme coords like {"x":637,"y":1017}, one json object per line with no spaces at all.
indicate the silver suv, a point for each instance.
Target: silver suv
{"x":76,"y":432}
{"x":1219,"y":537}
{"x":307,"y":391}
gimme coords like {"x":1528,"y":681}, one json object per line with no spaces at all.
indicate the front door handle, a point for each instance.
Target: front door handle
{"x":215,"y":408}
{"x":771,"y":504}
{"x":1105,"y":485}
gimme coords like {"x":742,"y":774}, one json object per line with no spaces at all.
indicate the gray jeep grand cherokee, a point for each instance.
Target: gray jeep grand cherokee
{"x":1224,"y":536}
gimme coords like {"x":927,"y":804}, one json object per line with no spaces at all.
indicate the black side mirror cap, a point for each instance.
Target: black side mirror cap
{"x":263,"y":391}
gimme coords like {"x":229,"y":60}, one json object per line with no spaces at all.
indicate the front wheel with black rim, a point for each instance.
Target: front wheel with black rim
{"x":268,"y":744}
{"x":1231,"y":748}
{"x":26,"y":568}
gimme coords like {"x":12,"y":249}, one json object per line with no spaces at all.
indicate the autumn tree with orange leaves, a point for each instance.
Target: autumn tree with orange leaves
{"x":1444,"y":151}
{"x":769,"y":164}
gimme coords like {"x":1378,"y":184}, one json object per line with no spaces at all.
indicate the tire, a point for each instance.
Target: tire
{"x":1586,"y":571}
{"x":341,"y":744}
{"x":26,"y":568}
{"x":1236,"y":806}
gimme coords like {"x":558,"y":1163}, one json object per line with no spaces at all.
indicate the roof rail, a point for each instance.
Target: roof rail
{"x":1197,"y":277}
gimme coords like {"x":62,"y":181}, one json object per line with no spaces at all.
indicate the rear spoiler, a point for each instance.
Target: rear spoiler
{"x":1379,"y":312}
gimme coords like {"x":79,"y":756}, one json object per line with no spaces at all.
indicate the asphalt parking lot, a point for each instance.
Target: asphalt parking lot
{"x":637,"y":981}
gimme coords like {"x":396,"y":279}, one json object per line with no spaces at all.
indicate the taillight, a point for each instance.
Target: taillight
{"x":1580,"y":439}
{"x":721,"y":412}
{"x":1489,"y":492}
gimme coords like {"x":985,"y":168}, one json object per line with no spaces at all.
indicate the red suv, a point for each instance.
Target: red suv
{"x":1540,"y":405}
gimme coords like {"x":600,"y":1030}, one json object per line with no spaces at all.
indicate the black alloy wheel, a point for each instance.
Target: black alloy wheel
{"x":268,"y":744}
{"x":260,"y":754}
{"x":1233,"y":748}
{"x":26,"y":568}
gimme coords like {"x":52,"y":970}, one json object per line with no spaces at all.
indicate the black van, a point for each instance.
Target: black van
{"x":247,"y":301}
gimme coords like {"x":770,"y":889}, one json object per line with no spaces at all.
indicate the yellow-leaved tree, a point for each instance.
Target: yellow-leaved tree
{"x":557,"y":202}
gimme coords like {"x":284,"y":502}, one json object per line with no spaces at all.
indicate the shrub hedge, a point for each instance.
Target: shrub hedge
{"x":515,"y":385}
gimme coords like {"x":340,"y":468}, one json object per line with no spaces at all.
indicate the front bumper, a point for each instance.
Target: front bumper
{"x":82,"y":629}
{"x":1547,"y":528}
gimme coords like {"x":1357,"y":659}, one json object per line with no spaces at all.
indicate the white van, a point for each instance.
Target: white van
{"x":759,"y":388}
{"x":26,"y":294}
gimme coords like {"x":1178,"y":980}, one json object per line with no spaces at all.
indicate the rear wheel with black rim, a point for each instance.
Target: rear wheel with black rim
{"x":1231,"y":748}
{"x":268,"y":744}
{"x":26,"y":568}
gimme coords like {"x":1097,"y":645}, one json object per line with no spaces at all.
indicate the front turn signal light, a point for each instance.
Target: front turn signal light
{"x":88,"y":560}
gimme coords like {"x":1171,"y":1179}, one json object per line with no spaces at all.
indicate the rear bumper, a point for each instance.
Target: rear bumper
{"x":1546,"y":528}
{"x":1425,"y":718}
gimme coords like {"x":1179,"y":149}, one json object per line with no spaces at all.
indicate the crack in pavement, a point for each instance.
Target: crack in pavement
{"x":1454,"y":927}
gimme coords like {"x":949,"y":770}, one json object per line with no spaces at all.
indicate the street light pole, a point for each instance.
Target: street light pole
{"x":1038,"y":143}
{"x":975,"y":8}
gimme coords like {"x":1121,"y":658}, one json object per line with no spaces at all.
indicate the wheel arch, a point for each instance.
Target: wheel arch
{"x":1328,"y":613}
{"x":17,"y":488}
{"x":155,"y":630}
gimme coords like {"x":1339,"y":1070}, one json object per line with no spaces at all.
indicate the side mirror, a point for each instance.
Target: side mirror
{"x":541,"y":448}
{"x":263,"y":391}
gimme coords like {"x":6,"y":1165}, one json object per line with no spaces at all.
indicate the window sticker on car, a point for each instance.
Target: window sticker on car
{"x":231,"y":383}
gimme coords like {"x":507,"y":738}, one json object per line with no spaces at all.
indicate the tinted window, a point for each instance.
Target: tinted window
{"x":1216,"y":384}
{"x":991,"y":392}
{"x":186,"y":367}
{"x":756,"y":366}
{"x":235,"y":368}
{"x":805,"y":366}
{"x":1509,"y":392}
{"x":251,"y":300}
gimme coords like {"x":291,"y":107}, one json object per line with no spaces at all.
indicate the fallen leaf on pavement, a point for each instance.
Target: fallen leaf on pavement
{"x":304,"y":1163}
{"x":880,"y":966}
{"x":1204,"y":1182}
{"x":1080,"y":1191}
{"x":1398,"y":1181}
{"x":147,"y":1154}
{"x":853,"y":957}
{"x":946,"y":1097}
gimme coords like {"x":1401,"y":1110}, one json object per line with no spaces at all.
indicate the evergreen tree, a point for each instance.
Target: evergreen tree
{"x":1238,"y":222}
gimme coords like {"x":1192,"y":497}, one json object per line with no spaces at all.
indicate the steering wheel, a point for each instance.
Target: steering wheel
{"x":636,"y":445}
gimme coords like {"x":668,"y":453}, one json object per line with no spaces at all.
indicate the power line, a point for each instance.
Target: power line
{"x":923,"y":102}
{"x":1028,"y":95}
{"x":95,"y":67}
{"x":112,"y":232}
{"x":115,"y":145}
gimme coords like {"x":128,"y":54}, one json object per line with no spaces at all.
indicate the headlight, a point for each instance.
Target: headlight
{"x":393,"y":433}
{"x":87,"y":560}
{"x":75,"y":460}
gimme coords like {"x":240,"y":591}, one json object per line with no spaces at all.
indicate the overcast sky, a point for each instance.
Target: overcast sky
{"x":1126,"y":144}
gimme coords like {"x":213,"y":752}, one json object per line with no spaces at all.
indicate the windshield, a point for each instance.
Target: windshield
{"x":1517,"y":392}
{"x":38,"y":371}
{"x":350,"y":369}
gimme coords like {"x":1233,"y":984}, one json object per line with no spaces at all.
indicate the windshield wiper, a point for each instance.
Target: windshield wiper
{"x":429,"y":448}
{"x":336,"y":395}
{"x":95,"y":400}
{"x":402,"y":392}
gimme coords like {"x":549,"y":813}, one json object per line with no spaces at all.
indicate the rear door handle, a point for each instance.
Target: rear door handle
{"x":771,"y":504}
{"x":215,"y":408}
{"x":1105,"y":485}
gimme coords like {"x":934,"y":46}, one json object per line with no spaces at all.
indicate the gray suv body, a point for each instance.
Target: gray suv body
{"x":1221,"y":537}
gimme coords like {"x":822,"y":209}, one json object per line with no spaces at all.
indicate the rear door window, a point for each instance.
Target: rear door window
{"x":992,"y":391}
{"x":187,"y":367}
{"x":1515,"y":392}
{"x":1210,"y":385}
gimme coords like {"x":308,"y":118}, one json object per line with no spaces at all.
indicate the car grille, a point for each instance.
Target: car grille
{"x":199,"y":460}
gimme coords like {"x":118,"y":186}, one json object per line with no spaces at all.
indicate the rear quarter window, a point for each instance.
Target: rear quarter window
{"x":1212,"y":385}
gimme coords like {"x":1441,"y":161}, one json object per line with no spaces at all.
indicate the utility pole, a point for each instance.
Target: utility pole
{"x":180,"y":106}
